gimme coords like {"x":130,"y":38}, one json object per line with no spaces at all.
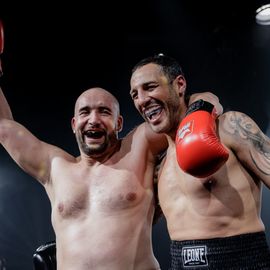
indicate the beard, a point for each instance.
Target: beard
{"x":95,"y":149}
{"x":172,"y":120}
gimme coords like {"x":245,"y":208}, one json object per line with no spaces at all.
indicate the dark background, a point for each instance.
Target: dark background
{"x":54,"y":51}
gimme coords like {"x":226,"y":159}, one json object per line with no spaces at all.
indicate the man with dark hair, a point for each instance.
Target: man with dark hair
{"x":212,"y":209}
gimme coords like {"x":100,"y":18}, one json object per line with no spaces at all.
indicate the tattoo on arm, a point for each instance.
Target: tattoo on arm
{"x":244,"y":127}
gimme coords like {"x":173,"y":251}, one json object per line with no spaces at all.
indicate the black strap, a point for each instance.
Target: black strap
{"x":200,"y":105}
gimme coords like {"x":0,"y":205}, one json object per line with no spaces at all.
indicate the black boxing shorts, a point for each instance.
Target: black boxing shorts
{"x":241,"y":252}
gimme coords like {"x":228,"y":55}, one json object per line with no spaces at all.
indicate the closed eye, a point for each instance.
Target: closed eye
{"x":150,"y":87}
{"x":134,"y":94}
{"x":83,"y":112}
{"x":104,"y":110}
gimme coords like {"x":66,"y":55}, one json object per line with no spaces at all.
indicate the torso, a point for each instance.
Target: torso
{"x":103,"y":216}
{"x":225,"y":204}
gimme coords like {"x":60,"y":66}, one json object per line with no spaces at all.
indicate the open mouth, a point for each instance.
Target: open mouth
{"x":94,"y":134}
{"x":153,"y":113}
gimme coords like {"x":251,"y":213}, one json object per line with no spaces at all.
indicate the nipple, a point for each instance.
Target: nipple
{"x":60,"y":207}
{"x":131,"y":196}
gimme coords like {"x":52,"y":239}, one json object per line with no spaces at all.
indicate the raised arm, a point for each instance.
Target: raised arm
{"x":31,"y":154}
{"x":248,"y":142}
{"x":5,"y":111}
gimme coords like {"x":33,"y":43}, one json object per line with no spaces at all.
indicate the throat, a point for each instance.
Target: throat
{"x":105,"y":156}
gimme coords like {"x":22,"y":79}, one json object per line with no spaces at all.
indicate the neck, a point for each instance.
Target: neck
{"x":178,"y":118}
{"x":103,"y":157}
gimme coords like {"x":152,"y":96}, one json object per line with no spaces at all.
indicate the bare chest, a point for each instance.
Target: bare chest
{"x":102,"y":190}
{"x":224,"y":187}
{"x":173,"y":182}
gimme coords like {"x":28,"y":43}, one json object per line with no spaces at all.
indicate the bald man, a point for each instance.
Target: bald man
{"x":102,"y":203}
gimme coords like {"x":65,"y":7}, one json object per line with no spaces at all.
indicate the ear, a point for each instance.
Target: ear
{"x":181,"y":85}
{"x":73,"y":124}
{"x":120,"y":122}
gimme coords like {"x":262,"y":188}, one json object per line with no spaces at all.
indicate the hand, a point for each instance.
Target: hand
{"x":211,"y":98}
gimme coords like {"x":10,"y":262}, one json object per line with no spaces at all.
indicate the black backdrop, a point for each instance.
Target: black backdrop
{"x":54,"y":52}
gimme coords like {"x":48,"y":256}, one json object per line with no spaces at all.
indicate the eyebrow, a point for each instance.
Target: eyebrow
{"x":104,"y":107}
{"x":143,"y":85}
{"x":83,"y":108}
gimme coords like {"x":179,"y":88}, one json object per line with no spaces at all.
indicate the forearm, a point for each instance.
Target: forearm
{"x":5,"y":111}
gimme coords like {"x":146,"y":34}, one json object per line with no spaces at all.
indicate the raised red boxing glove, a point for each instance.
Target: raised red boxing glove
{"x":1,"y":44}
{"x":199,"y":151}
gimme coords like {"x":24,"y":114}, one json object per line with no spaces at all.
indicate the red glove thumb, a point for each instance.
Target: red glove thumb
{"x":198,"y":149}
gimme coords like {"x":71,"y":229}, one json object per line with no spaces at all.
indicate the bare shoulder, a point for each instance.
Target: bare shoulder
{"x":144,"y":136}
{"x":233,"y":122}
{"x":239,"y":128}
{"x":134,"y":135}
{"x":56,"y":151}
{"x":248,"y":142}
{"x":140,"y":132}
{"x":134,"y":130}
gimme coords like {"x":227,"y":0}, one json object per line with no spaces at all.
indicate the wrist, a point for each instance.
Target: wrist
{"x":199,"y":105}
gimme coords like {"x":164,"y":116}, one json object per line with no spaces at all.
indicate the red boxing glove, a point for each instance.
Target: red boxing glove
{"x":1,"y":44}
{"x":198,"y":149}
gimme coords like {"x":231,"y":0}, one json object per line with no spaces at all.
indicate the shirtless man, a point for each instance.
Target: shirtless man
{"x":102,"y":201}
{"x":214,"y":222}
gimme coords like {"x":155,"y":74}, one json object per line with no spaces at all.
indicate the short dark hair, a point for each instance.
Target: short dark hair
{"x":169,"y":66}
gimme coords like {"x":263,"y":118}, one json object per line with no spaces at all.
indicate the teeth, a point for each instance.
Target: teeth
{"x":152,"y":113}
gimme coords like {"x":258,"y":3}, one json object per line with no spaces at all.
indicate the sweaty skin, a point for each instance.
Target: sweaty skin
{"x":103,"y":201}
{"x":225,"y":204}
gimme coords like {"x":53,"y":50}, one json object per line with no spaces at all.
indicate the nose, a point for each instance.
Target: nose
{"x":143,"y":98}
{"x":94,"y":119}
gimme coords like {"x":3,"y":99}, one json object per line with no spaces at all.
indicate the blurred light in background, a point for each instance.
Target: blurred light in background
{"x":263,"y":15}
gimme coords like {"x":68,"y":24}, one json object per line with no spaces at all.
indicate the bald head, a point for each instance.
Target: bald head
{"x":99,"y":96}
{"x":96,"y":122}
